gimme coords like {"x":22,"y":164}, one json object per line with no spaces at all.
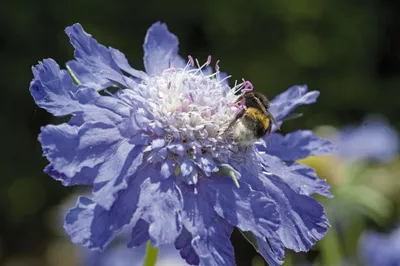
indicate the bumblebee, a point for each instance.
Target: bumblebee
{"x":254,"y":122}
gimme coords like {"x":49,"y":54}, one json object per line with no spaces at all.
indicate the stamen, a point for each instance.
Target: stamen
{"x":191,"y":60}
{"x":237,"y":87}
{"x":243,"y":103}
{"x":248,"y":87}
{"x":212,"y":75}
{"x":237,"y":106}
{"x":170,"y":63}
{"x":191,"y":97}
{"x":199,"y":68}
{"x":172,"y":69}
{"x":217,"y":66}
{"x":222,"y":80}
{"x":208,"y":60}
{"x":169,"y":85}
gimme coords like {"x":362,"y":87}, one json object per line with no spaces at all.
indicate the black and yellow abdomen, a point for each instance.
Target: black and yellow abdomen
{"x":256,"y":121}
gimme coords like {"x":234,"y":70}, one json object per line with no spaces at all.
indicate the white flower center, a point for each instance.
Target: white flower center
{"x":188,"y":98}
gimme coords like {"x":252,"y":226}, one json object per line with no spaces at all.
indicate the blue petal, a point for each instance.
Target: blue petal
{"x":52,"y":89}
{"x":78,"y":220}
{"x":210,"y":233}
{"x":223,"y":77}
{"x":70,"y":148}
{"x":86,"y":78}
{"x":241,"y":206}
{"x":85,"y":176}
{"x":187,"y":167}
{"x":96,"y":57}
{"x":161,"y":48}
{"x":115,"y":172}
{"x":157,"y":155}
{"x":215,"y":248}
{"x":287,"y":101}
{"x":123,"y":64}
{"x":380,"y":249}
{"x":299,"y":177}
{"x":140,"y":233}
{"x":271,"y":250}
{"x":158,"y":143}
{"x":167,"y":168}
{"x":207,"y":164}
{"x":94,"y":226}
{"x":177,"y":148}
{"x":184,"y":244}
{"x":161,"y":204}
{"x":303,"y":219}
{"x":355,"y":143}
{"x":297,"y":145}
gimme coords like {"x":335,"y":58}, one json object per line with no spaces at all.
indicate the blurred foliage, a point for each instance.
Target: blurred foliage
{"x":349,"y":50}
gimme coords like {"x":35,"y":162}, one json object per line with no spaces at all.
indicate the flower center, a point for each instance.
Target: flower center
{"x":194,"y":98}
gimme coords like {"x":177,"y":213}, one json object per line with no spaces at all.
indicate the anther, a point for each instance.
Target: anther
{"x":191,"y":60}
{"x":217,"y":66}
{"x":248,"y":87}
{"x":208,"y":60}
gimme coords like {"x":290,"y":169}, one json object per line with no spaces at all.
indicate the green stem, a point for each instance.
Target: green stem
{"x":331,"y":253}
{"x":151,"y":255}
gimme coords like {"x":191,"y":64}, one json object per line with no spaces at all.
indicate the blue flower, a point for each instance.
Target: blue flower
{"x":374,"y":140}
{"x":119,"y":255}
{"x":153,"y":153}
{"x":380,"y":249}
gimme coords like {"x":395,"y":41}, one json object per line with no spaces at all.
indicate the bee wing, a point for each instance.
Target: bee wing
{"x":289,"y":117}
{"x":293,"y":116}
{"x":272,"y":118}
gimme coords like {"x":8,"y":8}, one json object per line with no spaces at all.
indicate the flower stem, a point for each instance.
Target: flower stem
{"x":151,"y":255}
{"x":330,"y":247}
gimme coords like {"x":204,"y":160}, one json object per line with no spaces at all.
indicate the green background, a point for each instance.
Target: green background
{"x":348,"y":50}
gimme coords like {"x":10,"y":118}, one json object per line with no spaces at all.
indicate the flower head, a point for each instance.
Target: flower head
{"x":374,"y":140}
{"x":154,"y":155}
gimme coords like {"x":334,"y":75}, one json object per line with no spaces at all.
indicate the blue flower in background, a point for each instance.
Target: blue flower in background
{"x":119,"y":255}
{"x":380,"y":249}
{"x":374,"y":139}
{"x":153,"y":154}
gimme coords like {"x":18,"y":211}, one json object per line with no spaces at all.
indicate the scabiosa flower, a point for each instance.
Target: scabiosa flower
{"x":373,"y":140}
{"x":380,"y":249}
{"x":156,"y":159}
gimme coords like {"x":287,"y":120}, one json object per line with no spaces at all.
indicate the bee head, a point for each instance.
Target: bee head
{"x":253,"y":99}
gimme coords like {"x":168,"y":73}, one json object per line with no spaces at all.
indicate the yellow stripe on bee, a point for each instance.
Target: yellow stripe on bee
{"x":258,"y":114}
